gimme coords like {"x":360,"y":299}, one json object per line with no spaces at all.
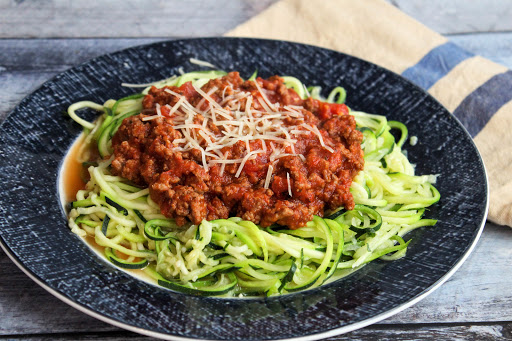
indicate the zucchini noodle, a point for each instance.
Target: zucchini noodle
{"x":234,"y":257}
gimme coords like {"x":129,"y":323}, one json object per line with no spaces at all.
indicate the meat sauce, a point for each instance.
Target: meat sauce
{"x":318,"y":176}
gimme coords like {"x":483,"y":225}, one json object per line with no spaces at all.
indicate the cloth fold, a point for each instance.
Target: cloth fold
{"x":477,"y":91}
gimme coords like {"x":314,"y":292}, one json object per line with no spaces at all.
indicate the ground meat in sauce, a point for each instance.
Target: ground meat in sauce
{"x":145,"y":154}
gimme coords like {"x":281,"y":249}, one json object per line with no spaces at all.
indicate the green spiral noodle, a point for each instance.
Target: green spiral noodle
{"x":233,"y":257}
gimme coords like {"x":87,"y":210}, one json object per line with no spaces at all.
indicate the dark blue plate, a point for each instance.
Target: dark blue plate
{"x":36,"y":136}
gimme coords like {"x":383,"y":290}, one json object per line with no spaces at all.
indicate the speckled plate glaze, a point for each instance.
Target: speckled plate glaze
{"x":36,"y":136}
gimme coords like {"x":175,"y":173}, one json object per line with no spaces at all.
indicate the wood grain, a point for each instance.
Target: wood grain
{"x":26,"y":64}
{"x":464,"y":332}
{"x":470,"y":306}
{"x":26,"y":308}
{"x":460,"y":16}
{"x":479,"y":290}
{"x":96,"y":18}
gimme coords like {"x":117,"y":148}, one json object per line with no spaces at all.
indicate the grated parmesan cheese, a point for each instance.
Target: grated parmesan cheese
{"x":202,"y":63}
{"x":269,"y":176}
{"x":244,"y":160}
{"x":145,"y":85}
{"x":232,"y":120}
{"x":289,"y":184}
{"x":314,"y":130}
{"x":265,"y":98}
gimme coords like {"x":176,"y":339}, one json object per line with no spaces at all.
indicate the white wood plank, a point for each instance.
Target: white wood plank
{"x":495,"y":332}
{"x":26,"y":308}
{"x":26,"y":64}
{"x":478,"y":291}
{"x":460,"y":16}
{"x":16,"y":90}
{"x":97,"y":18}
{"x":57,"y":54}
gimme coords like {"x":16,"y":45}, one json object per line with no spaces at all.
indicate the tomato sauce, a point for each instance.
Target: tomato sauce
{"x":317,"y":168}
{"x":73,"y":172}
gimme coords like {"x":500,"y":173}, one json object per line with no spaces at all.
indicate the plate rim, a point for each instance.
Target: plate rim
{"x":315,"y":336}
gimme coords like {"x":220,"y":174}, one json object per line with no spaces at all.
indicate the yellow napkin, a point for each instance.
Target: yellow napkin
{"x":477,"y":91}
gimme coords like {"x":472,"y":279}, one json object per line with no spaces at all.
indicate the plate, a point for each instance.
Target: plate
{"x":33,"y":230}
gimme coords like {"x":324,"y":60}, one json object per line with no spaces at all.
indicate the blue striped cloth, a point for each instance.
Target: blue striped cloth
{"x":480,"y":105}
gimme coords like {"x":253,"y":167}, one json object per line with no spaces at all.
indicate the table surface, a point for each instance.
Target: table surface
{"x":39,"y":39}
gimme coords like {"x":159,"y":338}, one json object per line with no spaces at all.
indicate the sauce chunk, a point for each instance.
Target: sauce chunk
{"x":252,"y":149}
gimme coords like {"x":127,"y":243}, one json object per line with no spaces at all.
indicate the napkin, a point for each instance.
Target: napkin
{"x":477,"y":91}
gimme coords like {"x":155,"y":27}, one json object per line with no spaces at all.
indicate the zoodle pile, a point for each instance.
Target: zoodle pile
{"x":235,"y":257}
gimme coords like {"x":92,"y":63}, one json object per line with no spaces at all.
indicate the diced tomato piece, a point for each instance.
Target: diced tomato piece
{"x":328,"y":110}
{"x":255,"y":168}
{"x":279,"y":185}
{"x":165,"y":110}
{"x":188,"y":90}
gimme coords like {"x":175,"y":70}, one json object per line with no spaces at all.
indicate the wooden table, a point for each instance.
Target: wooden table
{"x":39,"y":39}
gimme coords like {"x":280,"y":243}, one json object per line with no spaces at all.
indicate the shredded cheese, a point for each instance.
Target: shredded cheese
{"x":202,"y":63}
{"x":269,"y":176}
{"x":244,"y":160}
{"x":264,"y":96}
{"x":314,"y":130}
{"x":289,"y":184}
{"x":145,"y":85}
{"x":158,"y":110}
{"x":231,"y":117}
